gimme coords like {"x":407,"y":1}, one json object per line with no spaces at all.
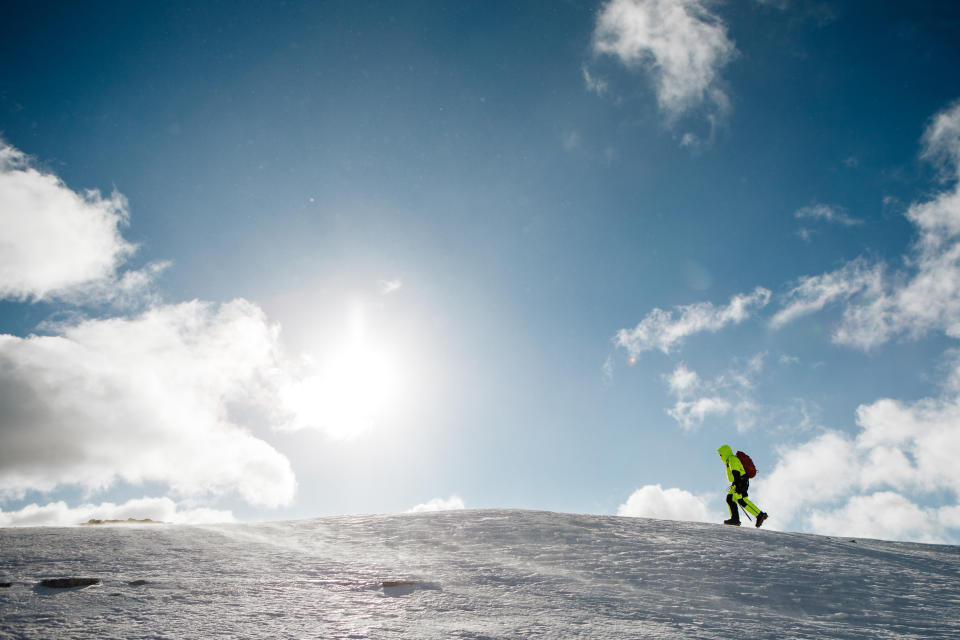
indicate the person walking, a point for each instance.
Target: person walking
{"x":737,"y":493}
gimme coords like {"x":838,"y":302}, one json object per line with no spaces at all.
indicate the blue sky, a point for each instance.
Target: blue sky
{"x":265,"y":261}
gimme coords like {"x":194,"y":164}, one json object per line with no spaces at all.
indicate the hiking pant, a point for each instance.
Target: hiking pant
{"x":734,"y":498}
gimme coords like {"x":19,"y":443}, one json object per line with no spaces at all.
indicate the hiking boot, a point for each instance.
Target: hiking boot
{"x":760,"y":518}
{"x":731,"y":521}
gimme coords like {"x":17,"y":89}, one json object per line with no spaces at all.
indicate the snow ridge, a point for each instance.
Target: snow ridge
{"x":474,"y":574}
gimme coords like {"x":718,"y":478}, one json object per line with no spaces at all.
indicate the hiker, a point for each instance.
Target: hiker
{"x":737,"y":493}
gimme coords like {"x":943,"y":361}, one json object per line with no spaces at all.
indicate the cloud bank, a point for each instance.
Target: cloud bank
{"x":148,"y":398}
{"x":653,"y":501}
{"x":58,"y":514}
{"x":874,"y":484}
{"x":439,"y":504}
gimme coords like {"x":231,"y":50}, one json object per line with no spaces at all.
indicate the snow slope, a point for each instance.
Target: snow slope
{"x":473,"y":574}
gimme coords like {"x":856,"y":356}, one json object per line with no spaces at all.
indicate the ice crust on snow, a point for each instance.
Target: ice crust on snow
{"x":474,"y":574}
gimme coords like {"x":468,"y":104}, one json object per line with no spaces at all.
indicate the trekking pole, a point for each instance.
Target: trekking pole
{"x":733,"y":486}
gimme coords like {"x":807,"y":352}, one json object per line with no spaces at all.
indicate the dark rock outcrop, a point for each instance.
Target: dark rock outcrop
{"x":69,"y":583}
{"x":94,"y":521}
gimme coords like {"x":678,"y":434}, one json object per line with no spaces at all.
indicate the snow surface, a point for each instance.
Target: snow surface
{"x":473,"y":574}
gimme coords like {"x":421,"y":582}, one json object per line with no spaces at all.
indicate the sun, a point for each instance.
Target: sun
{"x":355,"y":384}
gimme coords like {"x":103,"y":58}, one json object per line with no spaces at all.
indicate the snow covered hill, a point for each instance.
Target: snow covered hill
{"x":473,"y":574}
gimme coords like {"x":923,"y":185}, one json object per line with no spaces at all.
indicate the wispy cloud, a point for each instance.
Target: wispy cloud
{"x":823,"y":213}
{"x":814,"y":293}
{"x":730,"y":393}
{"x":827,"y":213}
{"x":666,"y":330}
{"x":571,"y":140}
{"x":690,"y":414}
{"x":594,"y":84}
{"x":694,"y":400}
{"x":680,"y":43}
{"x":389,"y":286}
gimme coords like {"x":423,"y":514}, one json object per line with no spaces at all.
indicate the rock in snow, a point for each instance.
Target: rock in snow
{"x":69,"y":583}
{"x":478,"y":574}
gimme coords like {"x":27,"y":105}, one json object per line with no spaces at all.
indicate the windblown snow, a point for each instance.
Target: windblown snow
{"x":473,"y":574}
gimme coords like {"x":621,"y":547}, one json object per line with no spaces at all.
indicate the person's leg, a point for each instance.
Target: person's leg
{"x":751,"y":508}
{"x":732,"y":506}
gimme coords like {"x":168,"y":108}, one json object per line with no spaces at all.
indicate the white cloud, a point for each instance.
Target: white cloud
{"x":690,"y":414}
{"x":815,"y":473}
{"x":158,"y":509}
{"x":167,"y":396}
{"x":149,"y":398}
{"x":653,"y":501}
{"x":571,"y":140}
{"x":885,"y":515}
{"x":870,"y":485}
{"x":903,"y":454}
{"x":683,"y":381}
{"x":389,"y":286}
{"x":827,"y":213}
{"x":728,"y":393}
{"x":813,"y":293}
{"x":818,"y":212}
{"x":608,"y":368}
{"x":596,"y":85}
{"x":58,"y":243}
{"x":439,"y":504}
{"x":922,"y":298}
{"x":679,"y":42}
{"x":664,"y":330}
{"x":916,"y":303}
{"x":941,"y":141}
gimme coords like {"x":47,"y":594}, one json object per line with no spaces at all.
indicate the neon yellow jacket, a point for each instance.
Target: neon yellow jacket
{"x":731,"y":461}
